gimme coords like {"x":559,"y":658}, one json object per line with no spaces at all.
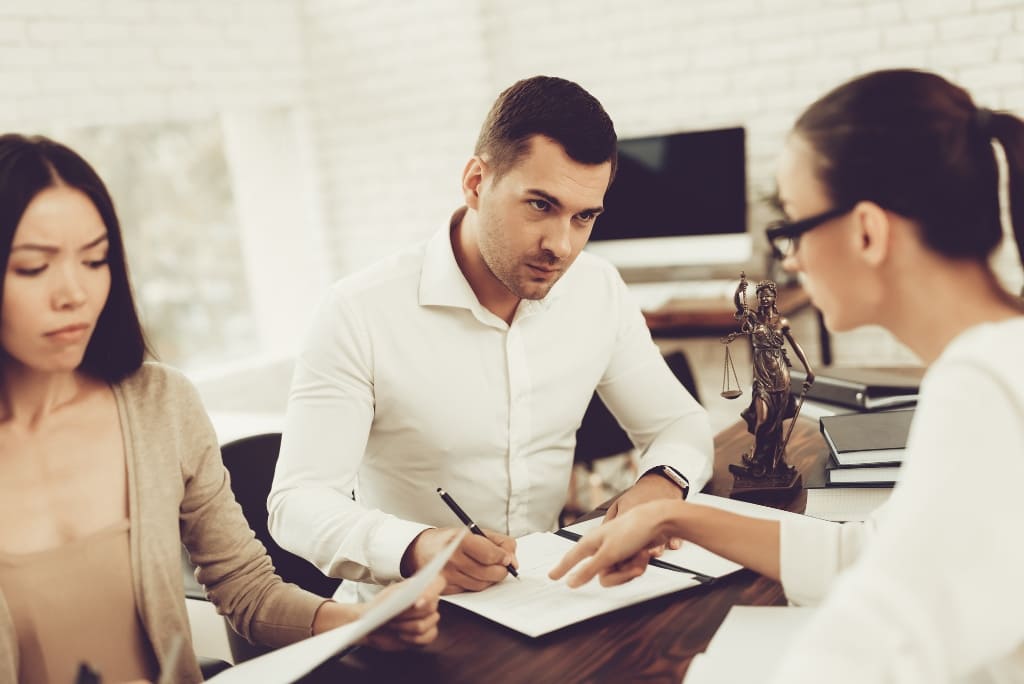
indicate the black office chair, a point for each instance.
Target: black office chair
{"x":251,"y":461}
{"x":600,"y":435}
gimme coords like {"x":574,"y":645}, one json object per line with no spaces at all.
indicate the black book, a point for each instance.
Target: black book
{"x":857,"y":439}
{"x":864,"y":389}
{"x":873,"y":475}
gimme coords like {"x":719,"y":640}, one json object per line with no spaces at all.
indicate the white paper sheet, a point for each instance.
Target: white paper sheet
{"x":535,"y":605}
{"x":845,"y":504}
{"x":697,"y":558}
{"x":748,"y":645}
{"x":689,"y":556}
{"x":292,"y":662}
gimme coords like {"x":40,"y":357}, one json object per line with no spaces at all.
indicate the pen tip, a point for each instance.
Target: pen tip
{"x":440,"y":491}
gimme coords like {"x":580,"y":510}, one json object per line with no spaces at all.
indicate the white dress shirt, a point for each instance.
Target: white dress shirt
{"x":406,"y":384}
{"x":933,"y":591}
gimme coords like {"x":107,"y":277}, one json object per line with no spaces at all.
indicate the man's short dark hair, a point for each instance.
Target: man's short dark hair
{"x":552,"y":107}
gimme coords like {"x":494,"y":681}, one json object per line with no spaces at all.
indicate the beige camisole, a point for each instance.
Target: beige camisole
{"x":74,"y":604}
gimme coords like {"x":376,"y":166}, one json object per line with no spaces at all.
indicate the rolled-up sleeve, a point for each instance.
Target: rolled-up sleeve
{"x":660,"y":416}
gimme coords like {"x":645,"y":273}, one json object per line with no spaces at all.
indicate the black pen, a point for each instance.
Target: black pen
{"x":468,"y":522}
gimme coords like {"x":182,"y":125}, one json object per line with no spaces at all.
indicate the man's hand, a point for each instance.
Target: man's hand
{"x":650,"y":487}
{"x":416,"y":626}
{"x":619,"y":549}
{"x":478,"y":563}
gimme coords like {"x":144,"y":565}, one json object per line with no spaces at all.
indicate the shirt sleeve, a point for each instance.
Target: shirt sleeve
{"x":330,"y":411}
{"x":813,"y":552}
{"x":656,"y":411}
{"x":936,"y":595}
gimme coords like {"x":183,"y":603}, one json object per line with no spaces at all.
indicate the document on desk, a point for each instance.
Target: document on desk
{"x":535,"y":605}
{"x":689,"y":557}
{"x":845,"y":504}
{"x":293,"y":662}
{"x":696,"y":558}
{"x":749,"y":645}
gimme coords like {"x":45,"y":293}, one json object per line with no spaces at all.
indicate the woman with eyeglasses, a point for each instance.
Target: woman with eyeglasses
{"x":892,"y":183}
{"x":108,"y":464}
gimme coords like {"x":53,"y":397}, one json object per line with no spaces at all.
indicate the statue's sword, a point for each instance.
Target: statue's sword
{"x":782,"y":449}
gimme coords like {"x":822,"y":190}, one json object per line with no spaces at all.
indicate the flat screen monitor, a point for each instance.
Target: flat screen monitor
{"x":677,"y":200}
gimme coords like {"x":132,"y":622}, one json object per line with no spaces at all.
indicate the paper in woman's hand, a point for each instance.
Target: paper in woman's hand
{"x":293,"y":662}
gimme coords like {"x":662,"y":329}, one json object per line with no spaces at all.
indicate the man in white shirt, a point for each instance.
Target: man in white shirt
{"x":467,"y":362}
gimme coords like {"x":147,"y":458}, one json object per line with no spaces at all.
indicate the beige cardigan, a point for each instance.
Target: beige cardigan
{"x":178,"y":491}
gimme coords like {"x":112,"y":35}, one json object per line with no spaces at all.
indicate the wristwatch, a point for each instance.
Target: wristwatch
{"x":673,"y":476}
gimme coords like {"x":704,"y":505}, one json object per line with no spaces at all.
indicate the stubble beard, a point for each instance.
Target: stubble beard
{"x":509,"y":275}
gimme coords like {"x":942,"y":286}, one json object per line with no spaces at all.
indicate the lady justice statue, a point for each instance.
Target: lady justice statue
{"x":763,"y":470}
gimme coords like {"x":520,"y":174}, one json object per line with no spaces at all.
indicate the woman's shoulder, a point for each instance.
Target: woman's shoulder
{"x":158,"y":380}
{"x":986,"y":353}
{"x":988,"y":344}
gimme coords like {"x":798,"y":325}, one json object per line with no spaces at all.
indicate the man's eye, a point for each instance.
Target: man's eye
{"x":586,"y":216}
{"x":539,"y":204}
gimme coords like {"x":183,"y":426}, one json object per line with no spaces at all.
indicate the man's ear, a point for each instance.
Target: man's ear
{"x":472,"y":179}
{"x":874,"y":232}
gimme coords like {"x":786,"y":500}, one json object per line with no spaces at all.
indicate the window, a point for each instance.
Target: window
{"x":172,"y":190}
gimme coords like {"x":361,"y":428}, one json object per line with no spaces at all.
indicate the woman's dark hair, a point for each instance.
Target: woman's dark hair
{"x":29,"y":165}
{"x":552,"y":107}
{"x":915,"y":144}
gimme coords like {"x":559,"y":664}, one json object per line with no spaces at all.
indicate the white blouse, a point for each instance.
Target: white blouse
{"x":931,"y":588}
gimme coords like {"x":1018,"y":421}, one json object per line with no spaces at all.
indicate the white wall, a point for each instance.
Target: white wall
{"x":74,"y":62}
{"x":408,"y":88}
{"x":397,"y":92}
{"x":392,"y":94}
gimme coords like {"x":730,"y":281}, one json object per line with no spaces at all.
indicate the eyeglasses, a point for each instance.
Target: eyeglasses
{"x":784,"y":236}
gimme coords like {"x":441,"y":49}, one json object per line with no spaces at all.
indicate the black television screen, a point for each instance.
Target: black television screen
{"x":681,"y":184}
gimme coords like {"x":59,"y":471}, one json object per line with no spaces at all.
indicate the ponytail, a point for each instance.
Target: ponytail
{"x":1009,"y":131}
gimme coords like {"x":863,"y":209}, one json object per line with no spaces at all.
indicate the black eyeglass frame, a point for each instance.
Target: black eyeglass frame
{"x":794,"y":229}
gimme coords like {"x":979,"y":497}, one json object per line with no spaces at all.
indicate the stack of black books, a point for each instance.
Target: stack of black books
{"x":865,"y":449}
{"x":863,"y":389}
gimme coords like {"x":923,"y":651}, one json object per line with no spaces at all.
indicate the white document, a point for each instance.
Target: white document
{"x":696,"y":558}
{"x":860,"y":475}
{"x":845,"y":504}
{"x":292,"y":662}
{"x":535,"y":605}
{"x":741,"y":507}
{"x":689,"y":556}
{"x":749,"y":645}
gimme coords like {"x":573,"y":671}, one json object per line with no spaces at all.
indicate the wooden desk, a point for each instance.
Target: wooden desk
{"x":653,"y":641}
{"x":699,"y":317}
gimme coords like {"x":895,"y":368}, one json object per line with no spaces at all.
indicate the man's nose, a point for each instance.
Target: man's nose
{"x":557,"y":239}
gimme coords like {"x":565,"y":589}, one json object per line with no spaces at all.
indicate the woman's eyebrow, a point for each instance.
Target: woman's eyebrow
{"x":53,"y":249}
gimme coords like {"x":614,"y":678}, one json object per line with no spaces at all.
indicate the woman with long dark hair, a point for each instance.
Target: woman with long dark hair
{"x":892,"y":185}
{"x":108,"y":463}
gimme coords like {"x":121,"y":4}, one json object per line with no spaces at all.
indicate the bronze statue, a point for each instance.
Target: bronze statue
{"x":764,"y":468}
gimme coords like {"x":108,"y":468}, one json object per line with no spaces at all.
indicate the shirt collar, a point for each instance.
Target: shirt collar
{"x":442,"y":282}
